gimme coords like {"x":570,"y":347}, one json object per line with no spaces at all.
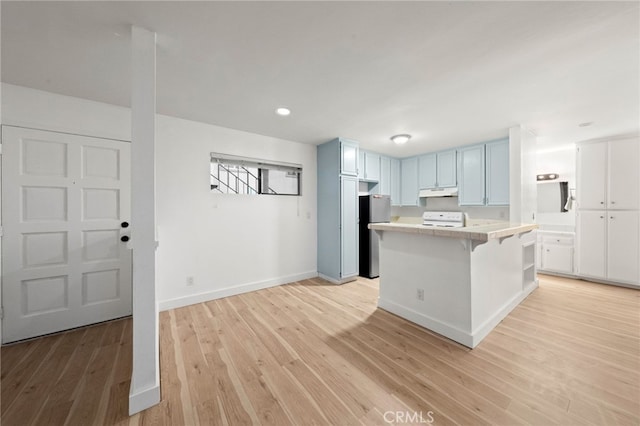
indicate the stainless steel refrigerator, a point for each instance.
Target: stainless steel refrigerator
{"x":373,"y":209}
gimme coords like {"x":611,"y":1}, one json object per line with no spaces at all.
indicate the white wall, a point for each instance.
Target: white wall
{"x":560,"y":160}
{"x":228,"y":243}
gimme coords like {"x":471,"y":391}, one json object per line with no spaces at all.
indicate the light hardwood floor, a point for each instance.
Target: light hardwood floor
{"x":316,"y":353}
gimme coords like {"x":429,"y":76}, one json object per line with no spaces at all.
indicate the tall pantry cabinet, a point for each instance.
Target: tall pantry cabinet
{"x":338,"y":210}
{"x":608,"y":210}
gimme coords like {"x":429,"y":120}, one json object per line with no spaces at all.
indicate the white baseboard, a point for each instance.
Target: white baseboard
{"x":485,"y":328}
{"x":191,"y":299}
{"x":334,"y":281}
{"x":143,"y":399}
{"x":603,"y":281}
{"x":469,"y":339}
{"x":426,"y":321}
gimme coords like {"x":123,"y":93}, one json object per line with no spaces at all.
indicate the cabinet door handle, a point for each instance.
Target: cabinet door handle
{"x":613,"y":202}
{"x":601,"y":217}
{"x":611,"y":217}
{"x":601,"y":202}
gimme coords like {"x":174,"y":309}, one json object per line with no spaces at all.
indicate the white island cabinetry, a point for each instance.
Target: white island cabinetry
{"x":458,"y":282}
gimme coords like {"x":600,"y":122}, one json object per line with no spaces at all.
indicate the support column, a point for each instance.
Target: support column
{"x":523,"y":190}
{"x":145,"y":377}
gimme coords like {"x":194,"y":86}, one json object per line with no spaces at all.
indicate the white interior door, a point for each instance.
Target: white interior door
{"x":64,"y":200}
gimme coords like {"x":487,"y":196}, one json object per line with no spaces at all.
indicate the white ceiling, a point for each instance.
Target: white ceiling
{"x":449,"y":73}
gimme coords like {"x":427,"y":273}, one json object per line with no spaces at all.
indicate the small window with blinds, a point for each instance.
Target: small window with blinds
{"x":250,"y":176}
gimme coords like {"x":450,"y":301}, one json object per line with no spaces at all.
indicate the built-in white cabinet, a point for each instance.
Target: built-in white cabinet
{"x":622,"y":246}
{"x":395,"y":182}
{"x":437,"y":170}
{"x":608,"y":215}
{"x":409,"y":178}
{"x":556,"y":252}
{"x":623,"y":171}
{"x":608,"y":175}
{"x":348,"y":227}
{"x":592,"y":176}
{"x":483,"y":174}
{"x":608,"y":245}
{"x":337,"y":168}
{"x":592,"y":243}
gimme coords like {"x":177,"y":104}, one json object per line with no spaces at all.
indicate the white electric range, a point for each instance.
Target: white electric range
{"x":443,"y":219}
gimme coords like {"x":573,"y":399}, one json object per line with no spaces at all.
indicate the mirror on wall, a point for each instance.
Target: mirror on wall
{"x":552,"y":197}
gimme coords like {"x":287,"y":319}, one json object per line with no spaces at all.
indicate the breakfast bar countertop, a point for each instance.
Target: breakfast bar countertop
{"x":480,"y":232}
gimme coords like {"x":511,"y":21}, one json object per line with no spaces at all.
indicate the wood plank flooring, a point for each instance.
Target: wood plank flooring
{"x":315,"y":353}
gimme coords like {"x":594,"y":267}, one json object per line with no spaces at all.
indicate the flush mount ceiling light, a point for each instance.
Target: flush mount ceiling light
{"x":283,"y":111}
{"x":401,"y":139}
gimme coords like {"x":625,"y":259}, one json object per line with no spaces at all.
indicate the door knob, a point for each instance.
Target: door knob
{"x":125,"y":224}
{"x":124,"y":238}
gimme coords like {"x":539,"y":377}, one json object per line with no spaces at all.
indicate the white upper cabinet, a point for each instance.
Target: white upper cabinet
{"x":447,"y":169}
{"x":624,"y":163}
{"x":395,"y":182}
{"x":608,"y":175}
{"x":385,"y":176}
{"x":592,"y":176}
{"x":349,"y":158}
{"x":371,"y":166}
{"x":360,"y":164}
{"x":471,"y":176}
{"x":483,"y":174}
{"x":409,"y":188}
{"x":437,"y":170}
{"x":497,"y":174}
{"x":427,"y":173}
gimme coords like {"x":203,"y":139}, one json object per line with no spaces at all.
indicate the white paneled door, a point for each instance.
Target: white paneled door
{"x":65,"y":204}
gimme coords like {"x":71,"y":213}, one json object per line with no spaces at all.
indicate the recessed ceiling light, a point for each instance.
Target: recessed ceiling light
{"x":585,"y":124}
{"x":283,"y":111}
{"x":401,"y":139}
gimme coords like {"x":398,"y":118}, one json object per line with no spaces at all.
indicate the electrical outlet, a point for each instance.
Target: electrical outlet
{"x":420,"y":294}
{"x":190,"y":281}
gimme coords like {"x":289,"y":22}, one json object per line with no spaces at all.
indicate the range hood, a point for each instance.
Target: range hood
{"x":440,"y":192}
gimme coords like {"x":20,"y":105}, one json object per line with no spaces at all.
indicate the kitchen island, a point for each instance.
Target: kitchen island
{"x":458,"y":282}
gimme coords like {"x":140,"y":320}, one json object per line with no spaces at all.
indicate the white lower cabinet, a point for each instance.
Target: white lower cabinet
{"x":556,"y":252}
{"x":608,"y":245}
{"x":622,"y":246}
